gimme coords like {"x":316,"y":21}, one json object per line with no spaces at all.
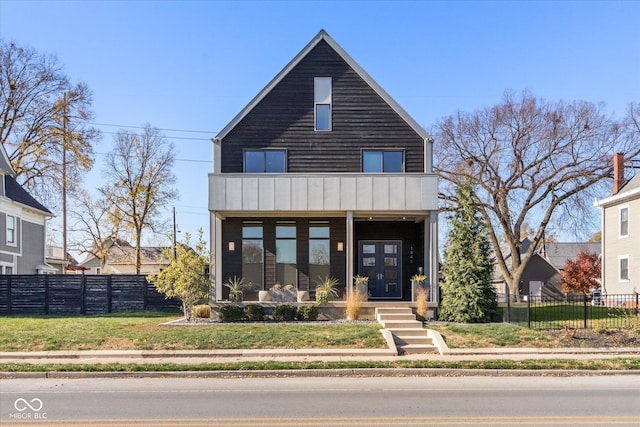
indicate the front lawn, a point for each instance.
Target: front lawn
{"x":143,"y":331}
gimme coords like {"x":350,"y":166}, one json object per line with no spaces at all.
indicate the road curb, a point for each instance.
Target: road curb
{"x":302,"y":373}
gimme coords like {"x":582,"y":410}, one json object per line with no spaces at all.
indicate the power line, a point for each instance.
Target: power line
{"x":169,"y":137}
{"x":177,"y":160}
{"x":142,"y":127}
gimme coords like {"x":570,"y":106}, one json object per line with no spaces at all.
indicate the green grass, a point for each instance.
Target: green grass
{"x":622,"y":363}
{"x":491,"y":335}
{"x":142,"y":331}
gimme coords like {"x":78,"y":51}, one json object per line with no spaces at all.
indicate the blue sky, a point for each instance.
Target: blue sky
{"x":193,"y":65}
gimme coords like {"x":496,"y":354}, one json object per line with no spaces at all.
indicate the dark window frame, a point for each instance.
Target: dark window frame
{"x":265,"y":163}
{"x":382,"y":153}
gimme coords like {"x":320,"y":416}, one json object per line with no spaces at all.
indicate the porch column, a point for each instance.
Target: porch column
{"x":216,"y":254}
{"x":431,"y":255}
{"x":349,"y":253}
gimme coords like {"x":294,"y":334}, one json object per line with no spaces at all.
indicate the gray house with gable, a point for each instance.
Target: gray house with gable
{"x":22,"y":226}
{"x":323,"y":173}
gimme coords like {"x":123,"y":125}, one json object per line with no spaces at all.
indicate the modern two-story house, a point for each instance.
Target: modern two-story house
{"x":323,"y":174}
{"x":22,"y":226}
{"x":621,"y":233}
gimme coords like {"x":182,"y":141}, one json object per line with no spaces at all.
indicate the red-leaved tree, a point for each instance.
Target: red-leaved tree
{"x":581,"y":274}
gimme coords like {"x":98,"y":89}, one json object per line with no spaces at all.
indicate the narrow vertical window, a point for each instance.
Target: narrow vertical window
{"x":252,"y":254}
{"x":319,"y":255}
{"x":624,"y":268}
{"x":11,"y":230}
{"x":286,"y":262}
{"x":624,"y":221}
{"x":322,"y":102}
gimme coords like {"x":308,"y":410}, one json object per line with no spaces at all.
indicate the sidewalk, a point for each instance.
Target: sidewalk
{"x":227,"y":356}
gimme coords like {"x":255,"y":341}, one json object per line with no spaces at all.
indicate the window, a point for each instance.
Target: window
{"x":11,"y":230}
{"x":286,"y":262}
{"x":252,"y":253}
{"x":382,"y":161}
{"x":624,"y":221}
{"x":624,"y":268}
{"x":265,"y":161}
{"x":322,"y":102}
{"x":319,"y":255}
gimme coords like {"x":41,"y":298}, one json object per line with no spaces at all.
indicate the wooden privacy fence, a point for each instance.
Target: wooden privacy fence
{"x":79,"y":294}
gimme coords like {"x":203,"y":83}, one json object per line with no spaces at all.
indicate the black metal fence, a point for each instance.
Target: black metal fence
{"x":79,"y":294}
{"x":571,"y":311}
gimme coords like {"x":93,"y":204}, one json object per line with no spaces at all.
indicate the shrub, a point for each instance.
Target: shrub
{"x":236,"y":288}
{"x":421,"y":303}
{"x":231,"y":313}
{"x":202,"y":311}
{"x":284,"y":313}
{"x":307,"y":312}
{"x":354,"y":303}
{"x":254,"y":312}
{"x":326,"y":289}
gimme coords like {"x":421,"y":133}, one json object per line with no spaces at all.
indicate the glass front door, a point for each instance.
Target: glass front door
{"x":381,"y":262}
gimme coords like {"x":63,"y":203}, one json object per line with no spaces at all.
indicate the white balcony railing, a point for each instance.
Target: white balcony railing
{"x":323,"y":192}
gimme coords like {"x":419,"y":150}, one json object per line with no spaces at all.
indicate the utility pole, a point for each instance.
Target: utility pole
{"x":175,"y":249}
{"x":65,"y":119}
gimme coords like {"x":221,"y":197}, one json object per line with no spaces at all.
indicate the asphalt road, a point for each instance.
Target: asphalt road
{"x":344,"y":401}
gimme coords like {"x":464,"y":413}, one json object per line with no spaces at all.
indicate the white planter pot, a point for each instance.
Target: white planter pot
{"x":264,"y":296}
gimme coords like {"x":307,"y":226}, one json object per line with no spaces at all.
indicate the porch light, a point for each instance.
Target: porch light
{"x":340,"y":246}
{"x":232,"y":246}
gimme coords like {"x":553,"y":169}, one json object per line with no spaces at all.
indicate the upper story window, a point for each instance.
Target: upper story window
{"x":382,"y":161}
{"x":265,"y":161}
{"x":11,"y":230}
{"x":322,"y":102}
{"x":624,"y":221}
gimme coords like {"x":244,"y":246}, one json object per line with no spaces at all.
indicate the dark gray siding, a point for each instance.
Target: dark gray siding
{"x":410,"y":233}
{"x":285,"y":119}
{"x":232,"y":261}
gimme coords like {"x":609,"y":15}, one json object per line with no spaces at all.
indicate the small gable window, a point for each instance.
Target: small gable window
{"x":322,"y":102}
{"x":265,"y":161}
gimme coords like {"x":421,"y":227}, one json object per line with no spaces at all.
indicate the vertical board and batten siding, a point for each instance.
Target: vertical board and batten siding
{"x":284,"y":119}
{"x":79,"y":294}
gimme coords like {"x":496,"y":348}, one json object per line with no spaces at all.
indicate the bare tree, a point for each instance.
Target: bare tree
{"x":44,"y":122}
{"x":528,"y":157}
{"x":96,"y":226}
{"x":140,"y":181}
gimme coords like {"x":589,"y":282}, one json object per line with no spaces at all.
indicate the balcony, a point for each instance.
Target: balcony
{"x":329,"y":192}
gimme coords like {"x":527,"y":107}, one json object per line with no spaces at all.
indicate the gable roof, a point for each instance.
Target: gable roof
{"x":323,"y":36}
{"x":629,"y":191}
{"x":5,"y":163}
{"x":125,"y":255}
{"x":17,"y":193}
{"x":559,"y":253}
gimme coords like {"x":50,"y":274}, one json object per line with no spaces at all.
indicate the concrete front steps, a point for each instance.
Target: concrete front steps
{"x":408,"y":334}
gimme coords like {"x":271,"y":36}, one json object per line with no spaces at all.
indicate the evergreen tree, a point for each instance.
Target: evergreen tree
{"x":467,"y":292}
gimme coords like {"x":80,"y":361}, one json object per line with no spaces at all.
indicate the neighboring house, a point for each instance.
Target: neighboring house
{"x":22,"y":226}
{"x":621,"y":233}
{"x":54,"y":256}
{"x":542,"y":276}
{"x":121,"y":259}
{"x":323,"y":173}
